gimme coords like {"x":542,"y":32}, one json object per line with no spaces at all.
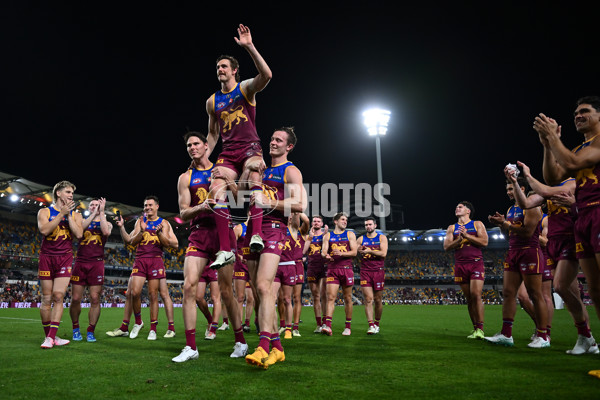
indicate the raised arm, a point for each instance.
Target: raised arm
{"x":565,"y":158}
{"x":534,"y":200}
{"x":105,"y":226}
{"x":260,"y":81}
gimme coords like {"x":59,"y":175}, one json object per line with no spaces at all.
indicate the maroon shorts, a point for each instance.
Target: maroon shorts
{"x":209,"y":275}
{"x":149,"y":268}
{"x":561,"y":248}
{"x":373,"y":279}
{"x":234,"y":159}
{"x":299,"y":272}
{"x":548,"y":274}
{"x":528,"y":261}
{"x":52,"y":267}
{"x":587,"y":232}
{"x":340,"y":276}
{"x":88,"y":273}
{"x":466,"y":272}
{"x":240,"y":271}
{"x":315,"y":274}
{"x":286,"y":274}
{"x":273,"y":236}
{"x":203,"y":243}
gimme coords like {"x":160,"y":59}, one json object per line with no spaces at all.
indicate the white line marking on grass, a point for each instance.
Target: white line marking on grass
{"x":22,"y":319}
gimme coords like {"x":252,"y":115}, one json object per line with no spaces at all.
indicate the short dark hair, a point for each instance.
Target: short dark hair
{"x":234,"y":64}
{"x":522,"y":182}
{"x":319,"y":216}
{"x":339,"y":215}
{"x":199,"y":135}
{"x":292,"y":139}
{"x":371,"y":219}
{"x":593,"y":101}
{"x":469,"y":205}
{"x":151,"y":197}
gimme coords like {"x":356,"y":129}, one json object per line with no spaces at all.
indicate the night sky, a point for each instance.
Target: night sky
{"x":101,"y":95}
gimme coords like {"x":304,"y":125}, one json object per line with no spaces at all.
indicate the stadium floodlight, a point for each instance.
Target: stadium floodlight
{"x":14,"y":198}
{"x":376,"y":120}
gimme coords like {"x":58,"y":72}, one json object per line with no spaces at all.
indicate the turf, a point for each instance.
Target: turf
{"x":422,"y":352}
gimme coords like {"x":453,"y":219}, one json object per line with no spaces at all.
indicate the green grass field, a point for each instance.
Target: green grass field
{"x":421,"y":353}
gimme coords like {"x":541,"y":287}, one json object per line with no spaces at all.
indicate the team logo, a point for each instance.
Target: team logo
{"x":234,"y":116}
{"x":221,"y":105}
{"x":91,"y":238}
{"x":586,"y":175}
{"x":197,"y":180}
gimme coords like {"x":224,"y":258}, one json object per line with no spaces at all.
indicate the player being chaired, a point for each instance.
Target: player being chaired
{"x":232,"y":114}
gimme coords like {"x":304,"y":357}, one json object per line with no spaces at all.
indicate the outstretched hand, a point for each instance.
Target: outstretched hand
{"x":245,"y":38}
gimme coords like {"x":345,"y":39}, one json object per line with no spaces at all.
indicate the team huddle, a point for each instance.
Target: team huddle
{"x":260,"y":258}
{"x":544,"y":249}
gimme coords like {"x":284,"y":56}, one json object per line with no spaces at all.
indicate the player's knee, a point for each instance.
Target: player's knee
{"x":57,"y":297}
{"x":95,"y":299}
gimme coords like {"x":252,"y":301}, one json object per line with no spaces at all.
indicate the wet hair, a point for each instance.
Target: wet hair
{"x":594,"y":101}
{"x":60,"y":186}
{"x":291,"y":139}
{"x":199,"y":135}
{"x":469,"y":205}
{"x":151,"y":197}
{"x":234,"y":64}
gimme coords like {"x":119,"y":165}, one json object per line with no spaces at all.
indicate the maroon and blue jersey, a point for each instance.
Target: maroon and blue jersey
{"x":315,"y":259}
{"x":60,"y":241}
{"x":91,"y":245}
{"x":273,"y":182}
{"x":199,"y":184}
{"x":240,"y":240}
{"x":560,"y":218}
{"x":371,"y":262}
{"x":516,"y":217}
{"x":150,"y":245}
{"x":339,"y":241}
{"x":292,"y":248}
{"x":587,"y":191}
{"x":466,"y":253}
{"x":236,"y":117}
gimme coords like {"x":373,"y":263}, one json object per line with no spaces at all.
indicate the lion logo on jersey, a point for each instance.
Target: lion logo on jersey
{"x":555,"y":209}
{"x":149,"y":239}
{"x":236,"y":115}
{"x":60,"y":233}
{"x":202,"y":194}
{"x":314,"y":249}
{"x":586,"y":174}
{"x":339,"y":247}
{"x":90,"y":238}
{"x":287,"y":246}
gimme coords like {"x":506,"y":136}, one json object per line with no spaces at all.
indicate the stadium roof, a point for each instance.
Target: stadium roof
{"x":22,"y":196}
